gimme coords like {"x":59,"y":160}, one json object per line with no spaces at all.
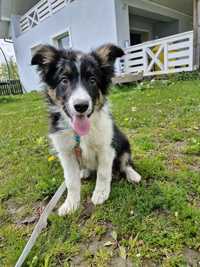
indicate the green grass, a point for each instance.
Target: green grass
{"x":150,"y":224}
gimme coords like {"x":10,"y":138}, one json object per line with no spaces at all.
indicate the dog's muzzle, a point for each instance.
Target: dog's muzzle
{"x":81,"y":107}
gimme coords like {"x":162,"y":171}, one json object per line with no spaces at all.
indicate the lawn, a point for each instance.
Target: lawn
{"x":155,"y":223}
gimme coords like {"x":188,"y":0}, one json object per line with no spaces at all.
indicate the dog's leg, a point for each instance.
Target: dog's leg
{"x":104,"y":176}
{"x":127,"y":167}
{"x":85,"y":174}
{"x":71,"y":173}
{"x":72,"y":180}
{"x":131,"y":175}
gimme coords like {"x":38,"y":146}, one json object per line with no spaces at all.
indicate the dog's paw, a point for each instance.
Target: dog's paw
{"x":132,"y":175}
{"x":85,"y":174}
{"x":69,"y":206}
{"x":100,"y":196}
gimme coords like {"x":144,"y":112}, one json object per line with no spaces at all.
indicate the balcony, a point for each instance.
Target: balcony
{"x":162,"y":56}
{"x":40,"y":12}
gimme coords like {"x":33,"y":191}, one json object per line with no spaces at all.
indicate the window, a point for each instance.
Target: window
{"x":63,"y":40}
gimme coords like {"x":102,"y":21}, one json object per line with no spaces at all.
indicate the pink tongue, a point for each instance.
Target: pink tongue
{"x":81,"y":125}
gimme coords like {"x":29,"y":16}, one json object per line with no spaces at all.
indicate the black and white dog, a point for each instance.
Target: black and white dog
{"x":78,"y":84}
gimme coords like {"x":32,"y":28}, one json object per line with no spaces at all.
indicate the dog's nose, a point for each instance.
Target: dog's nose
{"x":81,"y":107}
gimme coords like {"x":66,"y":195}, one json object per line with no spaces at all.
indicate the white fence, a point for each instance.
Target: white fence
{"x":162,"y":56}
{"x":41,"y":11}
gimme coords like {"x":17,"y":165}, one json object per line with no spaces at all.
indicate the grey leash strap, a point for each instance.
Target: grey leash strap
{"x":41,"y":224}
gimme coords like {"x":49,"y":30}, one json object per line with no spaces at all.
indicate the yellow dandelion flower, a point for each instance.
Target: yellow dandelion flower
{"x":51,"y":158}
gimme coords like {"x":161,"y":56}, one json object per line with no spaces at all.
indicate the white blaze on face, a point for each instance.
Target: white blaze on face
{"x":80,"y":95}
{"x":80,"y":121}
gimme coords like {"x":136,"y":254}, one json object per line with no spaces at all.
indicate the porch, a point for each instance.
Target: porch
{"x":159,"y":37}
{"x":162,"y":56}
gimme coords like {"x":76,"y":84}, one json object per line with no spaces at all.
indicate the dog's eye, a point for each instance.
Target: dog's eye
{"x":64,"y":81}
{"x":92,"y":80}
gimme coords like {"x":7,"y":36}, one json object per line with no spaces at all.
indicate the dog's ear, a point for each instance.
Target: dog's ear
{"x":108,"y":53}
{"x":44,"y":56}
{"x":46,"y":59}
{"x":106,"y":56}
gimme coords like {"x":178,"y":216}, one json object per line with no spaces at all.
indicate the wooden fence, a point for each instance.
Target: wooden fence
{"x":42,"y":10}
{"x":163,"y":56}
{"x":10,"y":87}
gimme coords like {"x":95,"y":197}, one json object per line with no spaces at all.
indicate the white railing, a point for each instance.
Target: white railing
{"x":162,"y":56}
{"x":41,"y":11}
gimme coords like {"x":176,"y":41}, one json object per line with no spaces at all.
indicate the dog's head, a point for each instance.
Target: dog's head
{"x":77,"y":82}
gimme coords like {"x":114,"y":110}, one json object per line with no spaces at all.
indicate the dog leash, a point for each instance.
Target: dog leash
{"x":42,"y":223}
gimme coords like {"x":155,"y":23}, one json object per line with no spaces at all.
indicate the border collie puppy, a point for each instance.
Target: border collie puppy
{"x":77,"y":86}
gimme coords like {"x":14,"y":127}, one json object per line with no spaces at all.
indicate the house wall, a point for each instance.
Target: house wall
{"x":91,"y":23}
{"x":122,"y":14}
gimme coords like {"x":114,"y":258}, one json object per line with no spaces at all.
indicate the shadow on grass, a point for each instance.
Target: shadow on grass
{"x":10,"y":99}
{"x":123,"y":88}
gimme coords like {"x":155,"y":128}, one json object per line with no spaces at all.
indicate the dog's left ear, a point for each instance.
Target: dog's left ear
{"x":45,"y":56}
{"x":108,"y":53}
{"x":106,"y":56}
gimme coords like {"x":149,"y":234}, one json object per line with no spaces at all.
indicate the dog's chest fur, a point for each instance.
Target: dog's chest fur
{"x":98,"y":140}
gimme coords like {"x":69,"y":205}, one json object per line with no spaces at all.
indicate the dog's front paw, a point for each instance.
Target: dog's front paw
{"x":100,"y":196}
{"x":69,"y":206}
{"x":85,"y":174}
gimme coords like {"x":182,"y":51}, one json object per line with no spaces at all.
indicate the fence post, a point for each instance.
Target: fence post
{"x":196,"y":29}
{"x":166,"y":57}
{"x":145,"y":56}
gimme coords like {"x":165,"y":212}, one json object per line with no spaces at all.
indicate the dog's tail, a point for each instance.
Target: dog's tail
{"x":126,"y":167}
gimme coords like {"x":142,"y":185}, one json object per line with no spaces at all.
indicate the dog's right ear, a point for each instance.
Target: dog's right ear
{"x":45,"y":56}
{"x":108,"y":53}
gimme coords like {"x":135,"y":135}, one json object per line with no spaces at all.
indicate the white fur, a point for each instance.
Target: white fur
{"x":85,"y":173}
{"x":64,"y":143}
{"x":79,"y":95}
{"x":132,"y":175}
{"x":97,"y":154}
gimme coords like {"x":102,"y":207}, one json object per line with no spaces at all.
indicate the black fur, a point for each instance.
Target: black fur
{"x":61,"y":70}
{"x":121,"y":146}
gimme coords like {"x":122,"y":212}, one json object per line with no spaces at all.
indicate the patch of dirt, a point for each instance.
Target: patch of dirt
{"x":179,"y":145}
{"x":192,"y":257}
{"x":177,"y":159}
{"x":195,"y":165}
{"x":119,"y":262}
{"x":193,"y":199}
{"x":87,"y":211}
{"x":79,"y":260}
{"x":149,"y":263}
{"x":175,"y":155}
{"x":89,"y":250}
{"x":13,"y":208}
{"x":19,"y":213}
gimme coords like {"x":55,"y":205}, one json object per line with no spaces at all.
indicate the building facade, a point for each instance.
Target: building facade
{"x":84,"y":25}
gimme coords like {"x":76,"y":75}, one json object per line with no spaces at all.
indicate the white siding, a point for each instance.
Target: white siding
{"x":91,"y":24}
